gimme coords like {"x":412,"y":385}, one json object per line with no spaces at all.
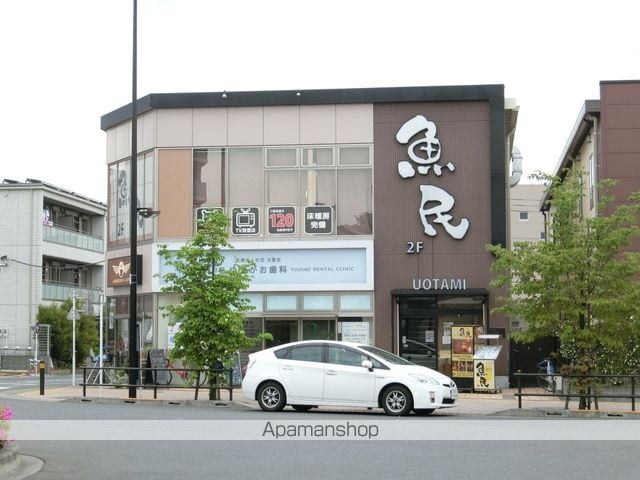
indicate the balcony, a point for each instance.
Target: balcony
{"x":59,"y":292}
{"x":73,"y":238}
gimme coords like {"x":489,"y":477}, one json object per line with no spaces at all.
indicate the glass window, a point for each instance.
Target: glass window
{"x":119,"y":180}
{"x":145,"y":193}
{"x":282,"y":157}
{"x":245,"y":177}
{"x":208,"y":179}
{"x":255,"y":300}
{"x":282,"y":331}
{"x":281,"y":187}
{"x":317,"y":302}
{"x":282,"y":302}
{"x":308,"y":353}
{"x":318,"y":187}
{"x":346,"y":356}
{"x":524,"y":216}
{"x":313,"y":157}
{"x":354,"y":156}
{"x":318,"y":329}
{"x":355,"y":302}
{"x":355,"y":202}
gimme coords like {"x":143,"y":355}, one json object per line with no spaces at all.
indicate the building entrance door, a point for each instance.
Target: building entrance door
{"x":418,"y":320}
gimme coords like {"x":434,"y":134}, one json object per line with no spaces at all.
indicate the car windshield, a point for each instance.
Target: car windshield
{"x":383,"y":354}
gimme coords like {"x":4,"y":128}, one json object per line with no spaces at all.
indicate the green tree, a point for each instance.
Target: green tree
{"x":211,"y":309}
{"x":62,"y":335}
{"x":580,"y":286}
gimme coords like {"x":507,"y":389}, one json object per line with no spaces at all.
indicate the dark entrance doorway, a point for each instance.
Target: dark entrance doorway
{"x":418,"y":321}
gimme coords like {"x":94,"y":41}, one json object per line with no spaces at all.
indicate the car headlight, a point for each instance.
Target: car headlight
{"x":424,"y":378}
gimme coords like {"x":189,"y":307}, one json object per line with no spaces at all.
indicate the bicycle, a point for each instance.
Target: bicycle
{"x":548,"y":380}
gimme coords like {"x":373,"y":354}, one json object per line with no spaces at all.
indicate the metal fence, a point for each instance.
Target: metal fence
{"x":159,"y":378}
{"x":587,"y":387}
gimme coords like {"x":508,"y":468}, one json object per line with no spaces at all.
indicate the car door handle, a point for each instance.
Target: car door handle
{"x":331,"y":372}
{"x":287,"y":367}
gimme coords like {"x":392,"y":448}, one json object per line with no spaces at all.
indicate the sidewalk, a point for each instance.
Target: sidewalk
{"x":496,"y":404}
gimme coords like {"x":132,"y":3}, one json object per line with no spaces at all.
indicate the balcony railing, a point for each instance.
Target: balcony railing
{"x":72,"y":238}
{"x":62,"y":291}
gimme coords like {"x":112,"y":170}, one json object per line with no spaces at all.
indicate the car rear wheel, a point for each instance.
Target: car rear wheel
{"x":271,"y":397}
{"x":302,"y":408}
{"x":396,"y":400}
{"x":423,"y":411}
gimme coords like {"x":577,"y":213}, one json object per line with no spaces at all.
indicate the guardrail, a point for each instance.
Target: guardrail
{"x":223,"y":379}
{"x":589,"y":387}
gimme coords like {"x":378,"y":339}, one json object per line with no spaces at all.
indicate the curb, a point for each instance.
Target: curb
{"x":9,"y":460}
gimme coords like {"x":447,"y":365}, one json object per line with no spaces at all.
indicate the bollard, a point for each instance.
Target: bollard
{"x":41,"y":369}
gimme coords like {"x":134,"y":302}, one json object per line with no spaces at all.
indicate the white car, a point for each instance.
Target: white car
{"x":321,"y":372}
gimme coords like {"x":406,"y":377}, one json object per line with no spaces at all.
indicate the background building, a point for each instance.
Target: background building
{"x":51,"y":245}
{"x":605,"y":143}
{"x":367,"y":211}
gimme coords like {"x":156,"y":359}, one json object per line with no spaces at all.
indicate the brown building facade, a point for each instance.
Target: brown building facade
{"x":367,"y":211}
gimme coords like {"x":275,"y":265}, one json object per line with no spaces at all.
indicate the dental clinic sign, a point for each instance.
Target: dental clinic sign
{"x":424,"y":157}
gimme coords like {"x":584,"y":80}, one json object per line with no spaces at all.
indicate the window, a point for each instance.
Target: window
{"x":119,"y":198}
{"x":208,"y":177}
{"x":245,"y":177}
{"x":346,"y":356}
{"x":355,"y":202}
{"x":308,"y":353}
{"x":318,"y":187}
{"x":281,"y":187}
{"x":281,"y":157}
{"x":542,"y":236}
{"x":355,"y":156}
{"x":524,"y":216}
{"x":315,"y":157}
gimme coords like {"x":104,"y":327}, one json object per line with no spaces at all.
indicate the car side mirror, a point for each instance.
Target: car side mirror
{"x":368,"y":365}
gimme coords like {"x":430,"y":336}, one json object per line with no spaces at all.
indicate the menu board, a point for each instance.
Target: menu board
{"x":462,"y":351}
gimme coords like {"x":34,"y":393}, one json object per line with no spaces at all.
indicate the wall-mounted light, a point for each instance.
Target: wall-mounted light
{"x":224,"y":94}
{"x":4,"y":261}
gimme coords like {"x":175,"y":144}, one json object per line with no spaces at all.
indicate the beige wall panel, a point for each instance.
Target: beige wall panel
{"x":111,"y":145}
{"x":317,"y":124}
{"x":246,"y":126}
{"x":175,"y":200}
{"x":209,"y":127}
{"x":123,"y":141}
{"x":281,"y":125}
{"x":354,"y":123}
{"x":175,"y":127}
{"x":147,"y":131}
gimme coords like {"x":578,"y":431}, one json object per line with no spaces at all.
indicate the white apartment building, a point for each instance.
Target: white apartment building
{"x":51,"y":246}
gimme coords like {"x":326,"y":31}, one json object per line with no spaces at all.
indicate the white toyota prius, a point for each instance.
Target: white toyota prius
{"x":321,"y":372}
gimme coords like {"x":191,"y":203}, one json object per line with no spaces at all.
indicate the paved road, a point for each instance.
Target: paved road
{"x":476,"y":446}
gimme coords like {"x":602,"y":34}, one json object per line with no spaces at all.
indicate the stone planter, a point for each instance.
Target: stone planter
{"x":9,"y":460}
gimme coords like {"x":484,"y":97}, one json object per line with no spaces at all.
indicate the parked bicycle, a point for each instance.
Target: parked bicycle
{"x":548,"y":380}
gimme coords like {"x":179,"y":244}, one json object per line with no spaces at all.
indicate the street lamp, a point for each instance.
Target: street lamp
{"x":134,"y":357}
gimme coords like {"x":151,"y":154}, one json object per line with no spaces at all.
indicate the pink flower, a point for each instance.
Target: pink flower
{"x":6,"y":413}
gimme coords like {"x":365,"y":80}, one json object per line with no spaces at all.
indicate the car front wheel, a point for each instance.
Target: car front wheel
{"x":396,"y":400}
{"x":271,"y":397}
